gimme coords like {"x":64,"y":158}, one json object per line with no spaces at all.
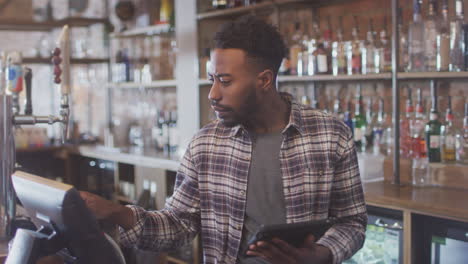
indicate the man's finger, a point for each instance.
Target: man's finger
{"x":273,"y":253}
{"x":286,"y":248}
{"x":309,"y":242}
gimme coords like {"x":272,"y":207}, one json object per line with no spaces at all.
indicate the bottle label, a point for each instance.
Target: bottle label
{"x":356,"y":63}
{"x":358,"y":134}
{"x":449,"y":142}
{"x":435,"y":141}
{"x":322,"y":65}
{"x":444,"y":53}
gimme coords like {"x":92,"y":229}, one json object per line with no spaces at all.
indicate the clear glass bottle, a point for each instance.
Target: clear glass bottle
{"x":443,"y":40}
{"x":433,"y":128}
{"x":416,"y":40}
{"x":431,"y":31}
{"x":369,"y":52}
{"x":457,"y":39}
{"x":385,"y":50}
{"x":354,"y":51}
{"x":448,"y":135}
{"x":295,"y":48}
{"x":379,"y":146}
{"x":462,"y":140}
{"x":347,"y":118}
{"x":371,"y":119}
{"x":405,"y":136}
{"x":403,"y":63}
{"x":320,"y":55}
{"x":418,"y":141}
{"x":359,"y":121}
{"x":339,"y":51}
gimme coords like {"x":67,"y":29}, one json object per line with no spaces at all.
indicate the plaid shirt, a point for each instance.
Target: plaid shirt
{"x":320,"y":180}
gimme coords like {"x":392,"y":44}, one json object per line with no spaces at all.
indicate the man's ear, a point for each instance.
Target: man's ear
{"x":265,"y":80}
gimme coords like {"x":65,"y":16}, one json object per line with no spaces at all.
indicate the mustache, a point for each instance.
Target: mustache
{"x":223,"y":107}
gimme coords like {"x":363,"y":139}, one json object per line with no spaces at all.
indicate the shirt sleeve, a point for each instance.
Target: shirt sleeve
{"x":177,"y":224}
{"x":347,"y":204}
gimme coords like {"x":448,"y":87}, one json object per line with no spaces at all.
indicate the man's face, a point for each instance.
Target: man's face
{"x":233,"y":94}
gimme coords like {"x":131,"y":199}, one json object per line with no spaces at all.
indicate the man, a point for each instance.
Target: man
{"x":266,"y":160}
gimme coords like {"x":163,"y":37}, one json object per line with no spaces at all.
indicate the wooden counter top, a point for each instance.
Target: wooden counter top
{"x":433,"y":201}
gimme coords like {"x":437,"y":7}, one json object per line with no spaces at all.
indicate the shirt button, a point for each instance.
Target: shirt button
{"x":238,"y":227}
{"x":321,"y":172}
{"x":242,"y":192}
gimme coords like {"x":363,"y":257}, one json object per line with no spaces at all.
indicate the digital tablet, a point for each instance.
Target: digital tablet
{"x":293,"y":234}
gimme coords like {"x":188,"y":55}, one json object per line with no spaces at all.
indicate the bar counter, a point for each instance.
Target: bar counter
{"x":448,"y":203}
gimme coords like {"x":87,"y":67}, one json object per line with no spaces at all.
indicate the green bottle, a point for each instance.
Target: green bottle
{"x":359,"y":121}
{"x":433,"y":132}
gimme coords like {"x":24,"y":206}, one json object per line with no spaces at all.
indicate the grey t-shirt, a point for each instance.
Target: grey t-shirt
{"x":265,"y":198}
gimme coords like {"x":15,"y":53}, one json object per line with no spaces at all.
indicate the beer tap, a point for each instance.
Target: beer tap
{"x":61,"y":61}
{"x":10,"y":87}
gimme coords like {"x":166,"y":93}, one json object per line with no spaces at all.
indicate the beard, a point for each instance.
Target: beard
{"x":243,"y":114}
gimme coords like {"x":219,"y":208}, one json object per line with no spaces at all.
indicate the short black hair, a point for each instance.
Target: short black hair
{"x":261,"y":41}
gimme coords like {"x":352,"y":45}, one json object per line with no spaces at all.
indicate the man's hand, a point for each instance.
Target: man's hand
{"x":108,"y":210}
{"x":279,"y":252}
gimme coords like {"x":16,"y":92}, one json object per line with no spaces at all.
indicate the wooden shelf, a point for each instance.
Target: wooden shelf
{"x":72,"y":61}
{"x":162,"y":29}
{"x":155,"y":84}
{"x":366,"y":77}
{"x":234,"y":11}
{"x":27,"y":25}
{"x":432,"y":75}
{"x":329,"y":77}
{"x":145,"y":158}
{"x":229,"y":12}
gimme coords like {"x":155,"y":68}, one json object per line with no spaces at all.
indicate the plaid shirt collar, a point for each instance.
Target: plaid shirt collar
{"x":295,"y":118}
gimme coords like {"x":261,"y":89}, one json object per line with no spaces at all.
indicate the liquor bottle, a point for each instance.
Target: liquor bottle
{"x":378,"y":143}
{"x":145,"y":196}
{"x":433,"y":128}
{"x":369,"y":52}
{"x":219,"y":4}
{"x":418,"y":141}
{"x":235,"y":3}
{"x":337,"y":109}
{"x":371,"y":119}
{"x":448,"y":134}
{"x":385,"y":50}
{"x":354,"y":50}
{"x":403,"y":63}
{"x":295,"y":48}
{"x":305,"y":100}
{"x":457,"y":39}
{"x":405,"y":136}
{"x":443,"y":41}
{"x":339,"y":51}
{"x":320,"y":54}
{"x":152,"y":201}
{"x":347,"y":118}
{"x":359,"y":121}
{"x":431,"y":30}
{"x":419,"y":172}
{"x":416,"y":40}
{"x":462,"y":140}
{"x":328,"y":35}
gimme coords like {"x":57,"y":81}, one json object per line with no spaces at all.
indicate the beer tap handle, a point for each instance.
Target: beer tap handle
{"x":63,"y":44}
{"x":61,"y":61}
{"x":28,"y":83}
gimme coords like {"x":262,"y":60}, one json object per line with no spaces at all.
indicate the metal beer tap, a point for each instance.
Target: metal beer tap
{"x":10,"y":116}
